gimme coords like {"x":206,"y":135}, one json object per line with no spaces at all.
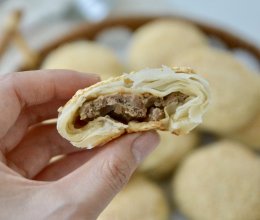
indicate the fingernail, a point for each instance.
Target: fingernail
{"x":93,"y":75}
{"x":144,"y":145}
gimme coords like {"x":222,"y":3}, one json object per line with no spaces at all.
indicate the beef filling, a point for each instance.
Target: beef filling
{"x":128,"y":107}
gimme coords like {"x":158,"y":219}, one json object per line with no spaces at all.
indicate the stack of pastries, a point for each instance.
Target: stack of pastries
{"x":210,"y":172}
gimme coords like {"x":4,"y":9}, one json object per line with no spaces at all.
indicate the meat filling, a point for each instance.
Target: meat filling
{"x":129,"y":107}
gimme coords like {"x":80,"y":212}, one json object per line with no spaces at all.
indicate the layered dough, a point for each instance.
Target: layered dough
{"x":165,"y":99}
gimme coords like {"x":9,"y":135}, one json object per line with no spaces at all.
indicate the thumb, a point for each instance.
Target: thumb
{"x":103,"y":176}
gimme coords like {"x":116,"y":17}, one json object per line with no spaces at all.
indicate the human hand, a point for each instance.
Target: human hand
{"x":77,"y":186}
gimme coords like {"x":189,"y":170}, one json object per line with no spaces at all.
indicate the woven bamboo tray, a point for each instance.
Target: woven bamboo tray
{"x":91,"y":30}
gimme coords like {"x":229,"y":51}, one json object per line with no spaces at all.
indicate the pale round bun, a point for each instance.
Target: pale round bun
{"x":84,"y":56}
{"x":140,"y":199}
{"x":250,"y":134}
{"x":157,"y":42}
{"x":168,"y":154}
{"x":220,"y":181}
{"x":233,"y":88}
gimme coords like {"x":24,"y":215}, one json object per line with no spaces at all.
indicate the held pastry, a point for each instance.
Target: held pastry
{"x":172,"y":99}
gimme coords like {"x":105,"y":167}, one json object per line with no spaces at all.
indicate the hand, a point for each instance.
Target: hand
{"x":82,"y":182}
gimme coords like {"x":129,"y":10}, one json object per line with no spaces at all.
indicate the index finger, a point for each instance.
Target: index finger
{"x":18,"y":90}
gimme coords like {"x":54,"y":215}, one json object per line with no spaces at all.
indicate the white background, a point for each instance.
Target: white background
{"x":240,"y":16}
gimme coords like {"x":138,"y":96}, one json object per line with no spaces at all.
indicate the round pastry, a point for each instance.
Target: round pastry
{"x":165,"y":99}
{"x":157,"y":42}
{"x":140,"y":199}
{"x":167,"y":155}
{"x":84,"y":56}
{"x":221,"y":181}
{"x":233,"y":87}
{"x":250,"y":134}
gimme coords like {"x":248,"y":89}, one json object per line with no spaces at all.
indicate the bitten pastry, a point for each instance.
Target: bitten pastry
{"x":168,"y":154}
{"x":234,"y":88}
{"x":165,"y":99}
{"x":156,"y":43}
{"x":84,"y":56}
{"x":220,"y":181}
{"x":139,"y":200}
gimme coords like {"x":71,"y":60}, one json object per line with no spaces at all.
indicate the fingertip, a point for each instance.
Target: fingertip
{"x":152,"y":134}
{"x":148,"y":136}
{"x":95,"y":77}
{"x":67,"y":82}
{"x":144,"y":145}
{"x":91,"y":78}
{"x":125,"y":139}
